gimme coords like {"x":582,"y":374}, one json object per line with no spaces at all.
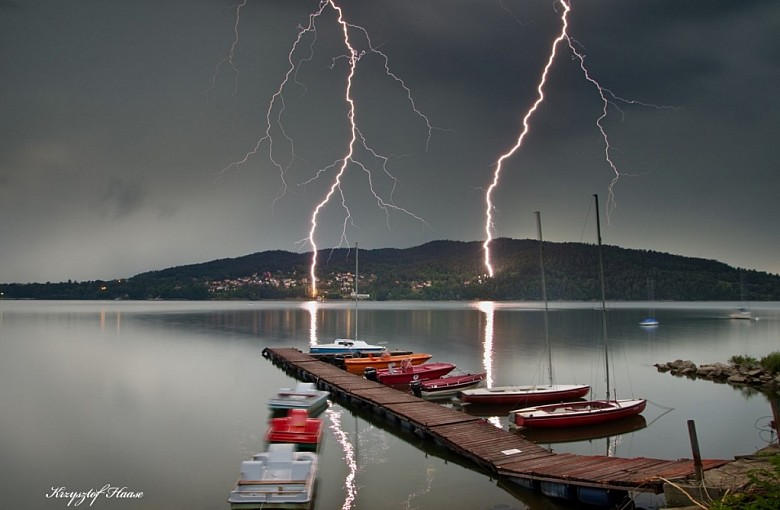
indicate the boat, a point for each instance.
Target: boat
{"x":742,"y":314}
{"x":347,"y":346}
{"x":278,"y":478}
{"x":295,"y":428}
{"x":650,"y":321}
{"x":304,"y":396}
{"x":525,"y":395}
{"x":570,"y":414}
{"x":586,"y":412}
{"x":358,"y":365}
{"x":447,"y":386}
{"x":407,"y":373}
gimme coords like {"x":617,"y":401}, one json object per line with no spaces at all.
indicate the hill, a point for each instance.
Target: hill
{"x":438,"y":270}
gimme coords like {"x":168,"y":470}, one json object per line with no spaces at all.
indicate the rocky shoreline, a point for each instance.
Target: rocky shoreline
{"x":736,"y":375}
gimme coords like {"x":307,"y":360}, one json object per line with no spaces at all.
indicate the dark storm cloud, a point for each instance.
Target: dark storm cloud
{"x":118,"y":122}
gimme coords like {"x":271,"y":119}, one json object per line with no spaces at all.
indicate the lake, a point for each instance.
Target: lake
{"x":167,"y":398}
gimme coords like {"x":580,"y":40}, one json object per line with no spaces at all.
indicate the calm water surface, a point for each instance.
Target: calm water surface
{"x":167,"y":398}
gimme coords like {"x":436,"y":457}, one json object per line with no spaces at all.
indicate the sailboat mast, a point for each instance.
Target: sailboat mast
{"x":544,"y":297}
{"x":356,"y":290}
{"x":603,"y":294}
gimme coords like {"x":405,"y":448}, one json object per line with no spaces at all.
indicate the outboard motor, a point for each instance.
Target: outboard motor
{"x":370,"y":374}
{"x":416,"y":387}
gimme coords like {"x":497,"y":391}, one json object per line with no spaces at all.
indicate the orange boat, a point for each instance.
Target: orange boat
{"x":358,"y":365}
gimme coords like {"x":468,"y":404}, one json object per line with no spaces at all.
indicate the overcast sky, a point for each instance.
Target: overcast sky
{"x":119,"y":122}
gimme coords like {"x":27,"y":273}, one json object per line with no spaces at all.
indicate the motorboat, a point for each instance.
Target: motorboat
{"x":358,"y":365}
{"x":278,"y":478}
{"x":447,"y":386}
{"x":304,"y":395}
{"x":295,"y":428}
{"x":406,"y":372}
{"x":347,"y":346}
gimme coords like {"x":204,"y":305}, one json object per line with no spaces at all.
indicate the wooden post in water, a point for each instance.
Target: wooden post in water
{"x":699,"y":470}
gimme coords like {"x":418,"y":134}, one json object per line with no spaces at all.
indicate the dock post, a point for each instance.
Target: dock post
{"x":699,"y":470}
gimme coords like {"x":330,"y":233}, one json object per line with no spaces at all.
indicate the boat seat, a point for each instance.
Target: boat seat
{"x":298,"y":419}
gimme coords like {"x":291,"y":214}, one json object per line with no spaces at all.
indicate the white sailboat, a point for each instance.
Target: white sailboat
{"x":529,"y":394}
{"x":650,"y":321}
{"x":345,"y":345}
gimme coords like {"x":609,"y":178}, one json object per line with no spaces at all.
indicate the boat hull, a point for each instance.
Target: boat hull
{"x":524,"y":395}
{"x":575,"y":414}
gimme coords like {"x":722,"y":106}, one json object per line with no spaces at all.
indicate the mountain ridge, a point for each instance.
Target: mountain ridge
{"x":437,"y":270}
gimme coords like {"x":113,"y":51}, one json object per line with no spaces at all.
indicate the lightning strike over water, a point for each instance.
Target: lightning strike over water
{"x":604,"y":94}
{"x":489,"y":226}
{"x":275,"y":113}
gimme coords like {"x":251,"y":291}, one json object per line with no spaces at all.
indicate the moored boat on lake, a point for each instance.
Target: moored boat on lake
{"x":592,"y":412}
{"x":524,"y":395}
{"x":407,"y":373}
{"x":447,"y":386}
{"x":278,"y":478}
{"x":303,"y":396}
{"x":359,"y":365}
{"x":347,"y":346}
{"x":295,"y":428}
{"x":575,"y":414}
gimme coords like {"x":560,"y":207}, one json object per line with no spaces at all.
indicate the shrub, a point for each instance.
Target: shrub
{"x":771,"y":362}
{"x":743,"y":360}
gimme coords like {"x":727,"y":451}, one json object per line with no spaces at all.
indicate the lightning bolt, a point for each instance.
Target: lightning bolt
{"x":489,"y":226}
{"x":608,"y":98}
{"x":231,"y":54}
{"x":357,"y":141}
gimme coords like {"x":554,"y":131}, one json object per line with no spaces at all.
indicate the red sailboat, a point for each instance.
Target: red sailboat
{"x":570,"y":414}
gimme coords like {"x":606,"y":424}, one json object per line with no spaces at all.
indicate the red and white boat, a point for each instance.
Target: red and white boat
{"x":296,"y":428}
{"x":524,"y":395}
{"x":575,"y":414}
{"x":407,"y":373}
{"x":447,"y":386}
{"x":592,"y":412}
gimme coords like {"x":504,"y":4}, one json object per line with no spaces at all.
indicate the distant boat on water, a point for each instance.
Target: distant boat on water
{"x":650,"y":321}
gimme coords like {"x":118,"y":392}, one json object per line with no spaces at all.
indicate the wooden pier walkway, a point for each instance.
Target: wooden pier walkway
{"x":501,"y":453}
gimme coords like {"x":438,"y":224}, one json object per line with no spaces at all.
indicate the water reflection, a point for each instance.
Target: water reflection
{"x":349,"y":456}
{"x":487,"y":308}
{"x":312,"y":308}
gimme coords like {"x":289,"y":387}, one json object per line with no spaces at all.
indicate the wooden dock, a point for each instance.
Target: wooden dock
{"x":501,"y":453}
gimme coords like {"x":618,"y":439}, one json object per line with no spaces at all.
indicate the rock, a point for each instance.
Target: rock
{"x":737,"y":379}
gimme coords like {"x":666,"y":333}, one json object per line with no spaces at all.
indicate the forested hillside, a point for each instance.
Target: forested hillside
{"x":439,"y":270}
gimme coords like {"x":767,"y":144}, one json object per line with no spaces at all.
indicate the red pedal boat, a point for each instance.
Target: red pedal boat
{"x":296,"y":428}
